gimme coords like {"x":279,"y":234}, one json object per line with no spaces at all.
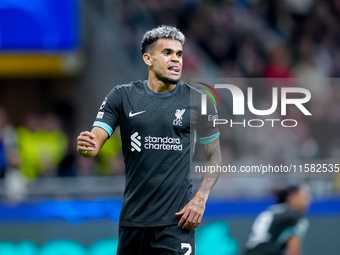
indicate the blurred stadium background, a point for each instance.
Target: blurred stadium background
{"x":58,"y":60}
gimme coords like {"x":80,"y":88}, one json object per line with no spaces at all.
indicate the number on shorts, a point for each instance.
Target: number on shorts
{"x":186,"y":246}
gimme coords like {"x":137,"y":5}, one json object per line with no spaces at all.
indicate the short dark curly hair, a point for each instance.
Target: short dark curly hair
{"x":168,"y":32}
{"x":283,"y":193}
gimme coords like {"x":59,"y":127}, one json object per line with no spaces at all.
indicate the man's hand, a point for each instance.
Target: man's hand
{"x":86,"y":143}
{"x":192,"y":213}
{"x":90,"y":143}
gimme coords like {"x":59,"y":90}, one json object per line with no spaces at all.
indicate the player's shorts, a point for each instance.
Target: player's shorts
{"x":156,"y":241}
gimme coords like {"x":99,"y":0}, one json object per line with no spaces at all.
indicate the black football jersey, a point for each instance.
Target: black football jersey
{"x":273,"y":227}
{"x":158,"y":133}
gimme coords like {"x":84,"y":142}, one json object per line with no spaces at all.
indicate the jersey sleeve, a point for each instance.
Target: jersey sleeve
{"x":297,"y":229}
{"x":301,"y":227}
{"x":205,"y":129}
{"x":109,"y":112}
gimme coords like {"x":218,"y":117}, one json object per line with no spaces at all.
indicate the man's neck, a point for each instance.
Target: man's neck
{"x":160,"y":87}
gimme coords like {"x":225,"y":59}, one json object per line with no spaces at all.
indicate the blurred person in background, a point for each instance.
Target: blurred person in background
{"x":14,"y":184}
{"x":8,"y":144}
{"x":29,"y":159}
{"x":107,"y":160}
{"x":42,"y":145}
{"x":51,"y":144}
{"x":279,"y":230}
{"x":159,"y":212}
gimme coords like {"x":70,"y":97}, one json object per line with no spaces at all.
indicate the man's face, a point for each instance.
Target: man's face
{"x":166,"y":60}
{"x":301,"y":200}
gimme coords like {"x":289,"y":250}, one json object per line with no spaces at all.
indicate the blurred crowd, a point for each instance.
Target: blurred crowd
{"x":289,"y":39}
{"x":247,"y":38}
{"x":41,"y":148}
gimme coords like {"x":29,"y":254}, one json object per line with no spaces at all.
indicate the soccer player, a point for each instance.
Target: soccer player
{"x":280,"y":229}
{"x":158,"y":118}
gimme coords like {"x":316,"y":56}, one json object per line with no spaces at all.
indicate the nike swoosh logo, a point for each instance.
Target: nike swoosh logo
{"x":136,"y":113}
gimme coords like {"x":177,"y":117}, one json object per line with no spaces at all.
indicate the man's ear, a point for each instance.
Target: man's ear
{"x":147,"y":59}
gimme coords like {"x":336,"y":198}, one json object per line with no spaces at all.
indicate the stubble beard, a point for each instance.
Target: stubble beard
{"x":167,"y":80}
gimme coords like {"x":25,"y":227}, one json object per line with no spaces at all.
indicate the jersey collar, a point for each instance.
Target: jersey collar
{"x":165,"y":94}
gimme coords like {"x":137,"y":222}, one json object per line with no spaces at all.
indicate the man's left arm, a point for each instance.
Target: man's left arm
{"x":192,"y":213}
{"x":294,"y":243}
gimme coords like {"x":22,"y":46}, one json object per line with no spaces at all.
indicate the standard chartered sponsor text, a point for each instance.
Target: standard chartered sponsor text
{"x":162,"y":143}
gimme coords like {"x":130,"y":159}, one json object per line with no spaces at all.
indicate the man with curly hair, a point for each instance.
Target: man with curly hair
{"x":158,"y":118}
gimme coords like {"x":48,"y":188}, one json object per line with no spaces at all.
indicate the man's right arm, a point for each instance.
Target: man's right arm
{"x":90,"y":143}
{"x":293,"y":246}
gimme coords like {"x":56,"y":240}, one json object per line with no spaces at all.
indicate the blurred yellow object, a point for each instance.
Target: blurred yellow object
{"x":40,"y":151}
{"x":107,"y":155}
{"x":40,"y":65}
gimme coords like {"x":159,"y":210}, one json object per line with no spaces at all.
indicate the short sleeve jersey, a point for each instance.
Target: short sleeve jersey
{"x":158,"y":132}
{"x":272,"y":229}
